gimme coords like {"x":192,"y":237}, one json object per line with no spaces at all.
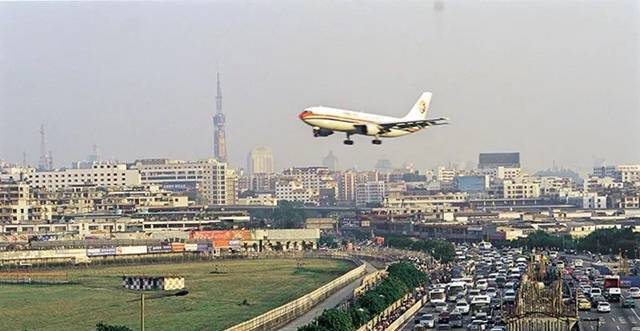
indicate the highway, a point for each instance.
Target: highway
{"x":619,"y":319}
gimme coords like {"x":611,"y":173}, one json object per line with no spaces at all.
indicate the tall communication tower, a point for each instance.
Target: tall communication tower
{"x":43,"y":163}
{"x":219,"y":143}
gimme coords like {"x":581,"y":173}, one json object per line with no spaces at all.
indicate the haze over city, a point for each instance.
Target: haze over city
{"x":557,"y":81}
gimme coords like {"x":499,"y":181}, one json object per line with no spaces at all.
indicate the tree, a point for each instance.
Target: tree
{"x":359,"y":316}
{"x":336,"y":319}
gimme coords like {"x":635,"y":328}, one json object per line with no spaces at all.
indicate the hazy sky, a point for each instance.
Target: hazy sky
{"x":556,"y":80}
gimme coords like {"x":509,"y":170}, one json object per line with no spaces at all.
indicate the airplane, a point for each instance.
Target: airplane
{"x":326,"y":120}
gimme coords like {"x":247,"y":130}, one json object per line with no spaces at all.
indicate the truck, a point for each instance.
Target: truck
{"x":611,"y":281}
{"x":613,"y":294}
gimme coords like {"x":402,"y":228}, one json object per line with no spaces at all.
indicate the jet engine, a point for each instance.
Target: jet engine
{"x":322,"y":132}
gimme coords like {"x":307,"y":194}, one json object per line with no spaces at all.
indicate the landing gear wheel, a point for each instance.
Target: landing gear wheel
{"x":376,"y":141}
{"x":348,"y":142}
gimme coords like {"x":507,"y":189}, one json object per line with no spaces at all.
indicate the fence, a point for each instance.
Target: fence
{"x":392,"y":307}
{"x":542,"y":324}
{"x":369,"y":281}
{"x":397,"y":324}
{"x":284,"y":314}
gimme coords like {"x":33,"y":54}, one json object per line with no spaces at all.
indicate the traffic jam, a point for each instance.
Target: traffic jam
{"x":474,"y":291}
{"x":477,"y":290}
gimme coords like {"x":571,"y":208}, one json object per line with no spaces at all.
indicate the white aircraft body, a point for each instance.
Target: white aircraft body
{"x":326,"y":120}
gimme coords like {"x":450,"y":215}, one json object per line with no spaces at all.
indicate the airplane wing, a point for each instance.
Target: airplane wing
{"x":417,"y":123}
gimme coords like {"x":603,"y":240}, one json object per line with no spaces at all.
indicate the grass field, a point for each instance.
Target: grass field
{"x":213,"y":303}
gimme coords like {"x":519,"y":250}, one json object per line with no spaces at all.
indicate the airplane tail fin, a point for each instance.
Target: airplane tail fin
{"x":420,"y":109}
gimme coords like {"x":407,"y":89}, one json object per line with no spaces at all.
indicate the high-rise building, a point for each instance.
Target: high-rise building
{"x":260,"y":161}
{"x":371,"y":192}
{"x":331,"y":162}
{"x":219,"y":140}
{"x":207,"y":179}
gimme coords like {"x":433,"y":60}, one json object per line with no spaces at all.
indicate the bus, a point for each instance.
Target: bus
{"x":438,"y":295}
{"x":455,"y":288}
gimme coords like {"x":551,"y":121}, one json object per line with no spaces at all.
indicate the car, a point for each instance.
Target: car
{"x":492,"y":292}
{"x":598,"y":298}
{"x":509,"y":296}
{"x":477,"y":325}
{"x":628,"y":303}
{"x":604,"y":307}
{"x":481,"y":300}
{"x":456,"y":320}
{"x":584,"y":304}
{"x":426,"y":320}
{"x":440,"y":306}
{"x":634,"y":292}
{"x":482,"y":284}
{"x":463,"y":307}
{"x":595,"y":291}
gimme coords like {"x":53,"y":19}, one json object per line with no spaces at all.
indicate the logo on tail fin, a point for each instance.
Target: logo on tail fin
{"x":422,"y":106}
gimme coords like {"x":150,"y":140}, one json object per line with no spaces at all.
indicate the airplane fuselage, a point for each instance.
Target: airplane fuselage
{"x":342,"y":120}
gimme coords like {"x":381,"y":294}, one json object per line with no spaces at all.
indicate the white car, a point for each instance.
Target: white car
{"x":463,"y":307}
{"x":634,"y":292}
{"x":482,"y":284}
{"x":441,"y":307}
{"x":481,"y":300}
{"x":595,"y":291}
{"x":426,"y":320}
{"x":604,"y":307}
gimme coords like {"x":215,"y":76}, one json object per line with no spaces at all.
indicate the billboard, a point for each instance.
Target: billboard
{"x":184,"y":186}
{"x":101,"y":251}
{"x":159,"y":249}
{"x":222,"y":238}
{"x":177,"y":247}
{"x":190,"y":247}
{"x":130,"y":250}
{"x":203,"y":248}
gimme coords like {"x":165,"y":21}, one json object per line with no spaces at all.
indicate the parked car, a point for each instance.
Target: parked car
{"x":634,"y":292}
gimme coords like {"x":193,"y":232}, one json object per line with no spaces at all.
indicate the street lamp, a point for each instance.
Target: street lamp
{"x":180,"y":293}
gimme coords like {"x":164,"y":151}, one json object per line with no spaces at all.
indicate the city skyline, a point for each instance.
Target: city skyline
{"x":162,"y":106}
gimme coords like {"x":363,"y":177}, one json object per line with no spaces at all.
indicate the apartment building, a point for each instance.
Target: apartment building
{"x":206,"y":179}
{"x":101,"y":174}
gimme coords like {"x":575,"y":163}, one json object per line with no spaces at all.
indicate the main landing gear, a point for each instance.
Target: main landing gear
{"x":348,"y":141}
{"x":376,"y":141}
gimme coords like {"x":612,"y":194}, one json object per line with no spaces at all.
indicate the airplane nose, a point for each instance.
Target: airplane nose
{"x":304,"y":114}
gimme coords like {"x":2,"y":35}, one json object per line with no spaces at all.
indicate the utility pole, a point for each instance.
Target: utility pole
{"x":141,"y":311}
